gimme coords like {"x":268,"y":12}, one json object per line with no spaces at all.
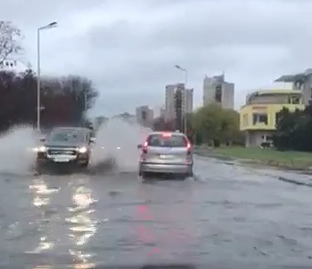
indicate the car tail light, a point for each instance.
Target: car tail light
{"x":188,"y":152}
{"x":144,"y":149}
{"x":188,"y":146}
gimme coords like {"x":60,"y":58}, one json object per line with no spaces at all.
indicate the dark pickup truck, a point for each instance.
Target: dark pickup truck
{"x":65,"y":145}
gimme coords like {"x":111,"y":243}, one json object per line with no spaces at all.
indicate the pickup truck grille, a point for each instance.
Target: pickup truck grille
{"x":61,"y":152}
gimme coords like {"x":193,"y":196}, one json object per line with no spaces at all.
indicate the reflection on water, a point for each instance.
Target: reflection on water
{"x":162,"y":231}
{"x":64,"y":230}
{"x":144,"y":230}
{"x":41,"y":201}
{"x":82,"y":225}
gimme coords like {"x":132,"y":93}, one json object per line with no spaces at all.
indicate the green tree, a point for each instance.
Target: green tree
{"x":207,"y":123}
{"x":294,"y":130}
{"x":212,"y":123}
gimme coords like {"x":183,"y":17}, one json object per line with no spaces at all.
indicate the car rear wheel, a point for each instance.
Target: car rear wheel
{"x":184,"y":176}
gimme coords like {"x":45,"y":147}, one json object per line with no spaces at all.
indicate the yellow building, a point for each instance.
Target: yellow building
{"x":259,"y":116}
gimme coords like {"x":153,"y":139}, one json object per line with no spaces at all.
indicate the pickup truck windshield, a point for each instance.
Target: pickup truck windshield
{"x":67,"y":136}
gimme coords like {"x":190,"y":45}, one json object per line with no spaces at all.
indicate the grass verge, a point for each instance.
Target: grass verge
{"x":286,"y":159}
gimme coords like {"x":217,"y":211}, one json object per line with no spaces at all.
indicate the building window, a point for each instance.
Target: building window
{"x":143,"y":115}
{"x":294,"y":100}
{"x":218,"y":93}
{"x":260,"y":118}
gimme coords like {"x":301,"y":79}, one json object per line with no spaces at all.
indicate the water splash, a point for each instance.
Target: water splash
{"x":115,"y":148}
{"x":116,"y":144}
{"x":16,"y":154}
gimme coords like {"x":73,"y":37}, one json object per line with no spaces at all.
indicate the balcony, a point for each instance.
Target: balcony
{"x":263,"y":116}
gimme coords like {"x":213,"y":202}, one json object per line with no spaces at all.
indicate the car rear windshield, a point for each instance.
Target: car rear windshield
{"x":172,"y":141}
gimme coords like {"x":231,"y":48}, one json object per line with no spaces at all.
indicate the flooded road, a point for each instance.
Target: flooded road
{"x":227,"y":217}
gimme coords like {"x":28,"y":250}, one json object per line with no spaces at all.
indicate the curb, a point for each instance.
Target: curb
{"x":299,"y":183}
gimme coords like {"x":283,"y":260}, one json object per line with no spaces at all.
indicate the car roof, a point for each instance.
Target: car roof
{"x":160,"y":133}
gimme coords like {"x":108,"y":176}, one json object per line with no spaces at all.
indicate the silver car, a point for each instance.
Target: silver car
{"x":63,"y":145}
{"x":166,"y":153}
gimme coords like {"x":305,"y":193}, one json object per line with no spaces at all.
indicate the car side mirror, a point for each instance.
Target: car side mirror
{"x":92,"y":140}
{"x":139,"y":146}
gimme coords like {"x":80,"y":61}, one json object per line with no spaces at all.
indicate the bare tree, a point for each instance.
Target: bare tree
{"x":9,"y":40}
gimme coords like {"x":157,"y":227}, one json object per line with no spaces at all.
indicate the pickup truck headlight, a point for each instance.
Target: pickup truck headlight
{"x":82,"y":150}
{"x":40,"y":149}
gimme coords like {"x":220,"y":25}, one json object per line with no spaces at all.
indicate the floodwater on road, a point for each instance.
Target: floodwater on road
{"x":226,"y":217}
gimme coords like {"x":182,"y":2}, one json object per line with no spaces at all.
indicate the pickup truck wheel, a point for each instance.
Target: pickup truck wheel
{"x":39,"y":168}
{"x":84,"y":164}
{"x":145,"y":175}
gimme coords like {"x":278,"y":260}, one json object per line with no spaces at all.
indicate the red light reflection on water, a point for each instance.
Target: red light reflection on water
{"x":176,"y":230}
{"x":145,"y":212}
{"x":144,"y":232}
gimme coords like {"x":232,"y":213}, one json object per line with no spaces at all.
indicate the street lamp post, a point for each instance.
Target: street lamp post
{"x":185,"y":71}
{"x":48,"y":26}
{"x":185,"y":82}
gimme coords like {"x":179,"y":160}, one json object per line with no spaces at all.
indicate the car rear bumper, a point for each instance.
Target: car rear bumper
{"x":167,"y":168}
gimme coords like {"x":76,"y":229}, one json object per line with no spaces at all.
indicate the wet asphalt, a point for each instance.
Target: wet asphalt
{"x":227,"y":216}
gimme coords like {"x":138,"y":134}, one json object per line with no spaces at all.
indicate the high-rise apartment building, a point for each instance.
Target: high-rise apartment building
{"x":301,"y":81}
{"x":217,"y":90}
{"x":187,"y":100}
{"x":144,"y":115}
{"x":169,"y":102}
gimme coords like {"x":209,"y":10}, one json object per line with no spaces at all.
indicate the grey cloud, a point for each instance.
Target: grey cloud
{"x":148,"y":65}
{"x":131,"y":55}
{"x":37,"y":12}
{"x":200,"y":26}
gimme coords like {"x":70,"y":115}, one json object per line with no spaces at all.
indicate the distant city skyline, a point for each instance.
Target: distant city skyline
{"x":144,"y":115}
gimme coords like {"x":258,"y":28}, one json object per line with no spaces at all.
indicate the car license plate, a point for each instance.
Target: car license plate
{"x":165,"y":156}
{"x":61,"y":159}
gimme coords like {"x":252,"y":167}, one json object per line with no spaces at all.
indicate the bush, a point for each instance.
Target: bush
{"x":294,"y":130}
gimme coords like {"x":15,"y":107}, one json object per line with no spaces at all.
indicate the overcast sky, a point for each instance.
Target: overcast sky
{"x":129,"y":47}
